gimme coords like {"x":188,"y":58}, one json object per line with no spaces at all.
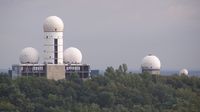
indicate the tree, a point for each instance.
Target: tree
{"x":115,"y":91}
{"x":125,"y":68}
{"x":110,"y":71}
{"x":105,"y":99}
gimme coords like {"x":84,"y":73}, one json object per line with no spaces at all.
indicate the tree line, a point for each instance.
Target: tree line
{"x":114,"y":91}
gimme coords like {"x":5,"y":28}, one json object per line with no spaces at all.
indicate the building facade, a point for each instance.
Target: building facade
{"x":52,"y":71}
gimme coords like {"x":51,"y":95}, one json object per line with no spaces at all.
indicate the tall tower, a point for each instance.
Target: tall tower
{"x":53,"y":40}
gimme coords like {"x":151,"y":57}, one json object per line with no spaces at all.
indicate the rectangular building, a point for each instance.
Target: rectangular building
{"x":51,"y":71}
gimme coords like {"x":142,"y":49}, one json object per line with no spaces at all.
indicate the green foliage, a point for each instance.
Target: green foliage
{"x":116,"y":91}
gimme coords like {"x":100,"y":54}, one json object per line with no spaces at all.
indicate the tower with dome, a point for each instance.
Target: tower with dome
{"x":57,"y":64}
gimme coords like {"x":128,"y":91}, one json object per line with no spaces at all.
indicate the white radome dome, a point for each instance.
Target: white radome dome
{"x":183,"y":72}
{"x":151,"y":62}
{"x":29,"y":55}
{"x":53,"y":24}
{"x":72,"y":55}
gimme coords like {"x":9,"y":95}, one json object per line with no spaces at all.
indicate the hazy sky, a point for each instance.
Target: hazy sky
{"x":108,"y":32}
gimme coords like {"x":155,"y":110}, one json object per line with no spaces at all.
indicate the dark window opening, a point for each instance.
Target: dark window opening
{"x":55,"y":42}
{"x":55,"y":51}
{"x":56,"y":61}
{"x":56,"y":55}
{"x":85,"y":75}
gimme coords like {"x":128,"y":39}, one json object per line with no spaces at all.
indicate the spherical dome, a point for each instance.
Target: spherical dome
{"x":72,"y":55}
{"x":151,"y":62}
{"x":183,"y":72}
{"x":29,"y":55}
{"x":53,"y":24}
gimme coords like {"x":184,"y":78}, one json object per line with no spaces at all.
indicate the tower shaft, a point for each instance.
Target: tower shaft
{"x":53,"y":47}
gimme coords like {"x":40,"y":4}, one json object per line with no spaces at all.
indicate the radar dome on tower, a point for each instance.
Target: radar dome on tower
{"x":53,"y":40}
{"x":29,"y":55}
{"x":183,"y":72}
{"x":53,"y":24}
{"x":151,"y":63}
{"x":72,"y":55}
{"x":54,"y":66}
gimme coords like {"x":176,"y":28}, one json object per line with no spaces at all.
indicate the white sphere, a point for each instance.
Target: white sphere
{"x":53,"y":24}
{"x":151,"y":62}
{"x":72,"y":55}
{"x":183,"y":72}
{"x":29,"y":55}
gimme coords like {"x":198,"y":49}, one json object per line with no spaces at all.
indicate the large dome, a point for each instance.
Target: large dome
{"x":72,"y":55}
{"x":53,"y":24}
{"x":151,"y":62}
{"x":29,"y":55}
{"x":183,"y":72}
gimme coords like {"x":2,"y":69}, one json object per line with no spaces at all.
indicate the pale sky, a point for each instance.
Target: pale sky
{"x":108,"y":32}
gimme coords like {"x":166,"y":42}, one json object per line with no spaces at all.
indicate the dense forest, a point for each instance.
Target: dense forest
{"x":114,"y":91}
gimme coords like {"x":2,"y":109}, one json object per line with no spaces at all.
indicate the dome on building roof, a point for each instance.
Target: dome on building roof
{"x":72,"y":55}
{"x":53,"y":24}
{"x":29,"y":55}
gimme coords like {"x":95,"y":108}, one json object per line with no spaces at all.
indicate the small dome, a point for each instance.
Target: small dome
{"x":53,"y":24}
{"x":151,"y":62}
{"x":183,"y":72}
{"x":72,"y":55}
{"x":29,"y":55}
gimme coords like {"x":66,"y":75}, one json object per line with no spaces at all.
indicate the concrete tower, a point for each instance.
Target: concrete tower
{"x":53,"y":40}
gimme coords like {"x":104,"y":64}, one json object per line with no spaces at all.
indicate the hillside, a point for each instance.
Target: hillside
{"x":116,"y":91}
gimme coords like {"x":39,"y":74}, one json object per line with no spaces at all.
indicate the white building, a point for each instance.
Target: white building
{"x":54,"y":66}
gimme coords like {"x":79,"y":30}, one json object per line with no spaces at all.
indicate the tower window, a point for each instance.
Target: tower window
{"x":56,"y":55}
{"x":56,"y":48}
{"x":56,"y":61}
{"x":56,"y":51}
{"x":55,"y":42}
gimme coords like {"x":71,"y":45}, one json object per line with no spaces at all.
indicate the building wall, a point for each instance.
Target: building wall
{"x":50,"y":54}
{"x":37,"y":70}
{"x":55,"y":72}
{"x":51,"y":71}
{"x":82,"y":70}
